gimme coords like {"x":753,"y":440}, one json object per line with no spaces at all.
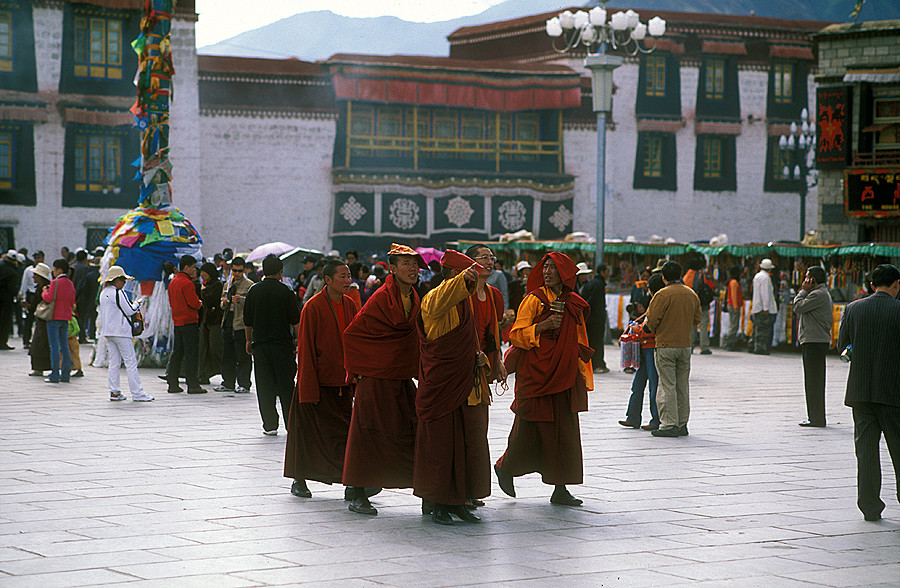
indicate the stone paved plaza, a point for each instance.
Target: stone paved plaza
{"x":186,"y":491}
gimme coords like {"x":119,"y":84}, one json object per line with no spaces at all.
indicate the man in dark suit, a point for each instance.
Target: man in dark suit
{"x":872,"y":327}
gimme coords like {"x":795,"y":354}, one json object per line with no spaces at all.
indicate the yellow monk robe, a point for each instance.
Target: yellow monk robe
{"x":452,"y":460}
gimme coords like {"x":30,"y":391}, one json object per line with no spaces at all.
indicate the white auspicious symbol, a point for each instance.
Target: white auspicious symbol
{"x":459,"y":211}
{"x":512,"y":215}
{"x":561,"y":218}
{"x":352,"y":211}
{"x":404,"y":213}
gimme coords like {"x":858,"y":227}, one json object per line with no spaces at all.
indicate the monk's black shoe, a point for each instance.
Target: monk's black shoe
{"x":440,"y":515}
{"x":427,"y":507}
{"x":361,"y":505}
{"x":562,"y":497}
{"x":349,"y":492}
{"x":463,"y":513}
{"x":505,"y":481}
{"x":299,"y":489}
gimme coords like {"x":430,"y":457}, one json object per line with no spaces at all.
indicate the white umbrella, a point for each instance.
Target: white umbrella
{"x":276,"y":248}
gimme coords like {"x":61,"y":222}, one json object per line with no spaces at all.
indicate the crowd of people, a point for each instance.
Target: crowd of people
{"x":383,"y":371}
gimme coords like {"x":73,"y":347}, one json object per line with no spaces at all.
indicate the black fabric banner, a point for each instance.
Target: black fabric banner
{"x":354,"y":212}
{"x":833,"y":117}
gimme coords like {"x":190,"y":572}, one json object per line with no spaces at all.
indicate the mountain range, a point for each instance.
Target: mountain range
{"x":317,"y":35}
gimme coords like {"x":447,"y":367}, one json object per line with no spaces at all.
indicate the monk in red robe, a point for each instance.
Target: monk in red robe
{"x":381,"y":351}
{"x":323,"y":400}
{"x":452,"y":456}
{"x":553,"y":374}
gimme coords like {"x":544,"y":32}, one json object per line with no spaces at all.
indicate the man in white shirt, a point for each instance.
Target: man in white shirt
{"x":764,"y":309}
{"x":26,"y":291}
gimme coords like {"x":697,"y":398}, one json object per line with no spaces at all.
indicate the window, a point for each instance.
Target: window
{"x":712,"y":157}
{"x":98,"y":163}
{"x":98,"y":47}
{"x":715,"y":78}
{"x":95,"y":237}
{"x":783,"y":82}
{"x":6,"y":41}
{"x":776,"y":160}
{"x":886,"y":119}
{"x":655,"y":76}
{"x":7,"y":238}
{"x":652,"y":167}
{"x":714,"y":166}
{"x":655,"y":160}
{"x":485,"y":139}
{"x":17,"y":185}
{"x":7,"y":165}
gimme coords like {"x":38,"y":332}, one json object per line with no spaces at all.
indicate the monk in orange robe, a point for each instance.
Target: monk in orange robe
{"x":381,"y":351}
{"x":323,"y":400}
{"x":553,"y":375}
{"x":452,"y":462}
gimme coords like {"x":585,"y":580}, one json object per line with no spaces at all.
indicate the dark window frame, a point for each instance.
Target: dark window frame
{"x":21,"y":74}
{"x":727,"y":181}
{"x":726,"y":107}
{"x":69,"y":82}
{"x":668,"y":177}
{"x":774,"y":180}
{"x":22,"y":189}
{"x":789,"y":110}
{"x":95,"y":198}
{"x":669,"y":104}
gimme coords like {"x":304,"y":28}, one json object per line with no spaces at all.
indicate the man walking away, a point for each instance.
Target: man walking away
{"x":594,"y":292}
{"x":764,"y":309}
{"x":185,"y":314}
{"x":872,"y":327}
{"x":815,"y":309}
{"x":673,"y":313}
{"x":270,"y":318}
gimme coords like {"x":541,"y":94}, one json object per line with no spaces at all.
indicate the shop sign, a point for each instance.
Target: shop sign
{"x":872,"y":192}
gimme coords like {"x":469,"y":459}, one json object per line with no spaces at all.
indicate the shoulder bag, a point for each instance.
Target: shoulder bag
{"x":44,"y":310}
{"x":136,"y":320}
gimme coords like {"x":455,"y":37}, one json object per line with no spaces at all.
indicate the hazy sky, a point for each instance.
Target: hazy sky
{"x":221,"y":19}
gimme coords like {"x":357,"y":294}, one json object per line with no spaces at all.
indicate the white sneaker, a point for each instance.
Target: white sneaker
{"x":117,"y":395}
{"x":241,"y":389}
{"x":144,"y":398}
{"x":271,"y":433}
{"x":221,"y":388}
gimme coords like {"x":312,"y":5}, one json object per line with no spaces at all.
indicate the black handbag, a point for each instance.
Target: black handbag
{"x":136,"y":320}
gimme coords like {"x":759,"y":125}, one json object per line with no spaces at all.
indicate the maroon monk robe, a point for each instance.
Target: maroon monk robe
{"x":381,"y":346}
{"x":319,"y":420}
{"x":550,"y":391}
{"x":452,"y":455}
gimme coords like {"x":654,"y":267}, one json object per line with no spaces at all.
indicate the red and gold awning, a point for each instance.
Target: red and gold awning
{"x":431,"y":81}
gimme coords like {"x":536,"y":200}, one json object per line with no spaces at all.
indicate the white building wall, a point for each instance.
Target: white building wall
{"x":184,"y":127}
{"x":266,"y":179}
{"x":746,"y":215}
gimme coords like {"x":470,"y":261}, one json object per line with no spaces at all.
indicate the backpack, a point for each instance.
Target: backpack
{"x":704,"y":292}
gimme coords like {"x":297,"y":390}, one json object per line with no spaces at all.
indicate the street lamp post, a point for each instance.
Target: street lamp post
{"x":799,"y":146}
{"x":624,"y":32}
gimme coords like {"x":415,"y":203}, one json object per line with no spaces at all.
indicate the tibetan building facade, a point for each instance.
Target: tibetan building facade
{"x":692,"y":140}
{"x":858,"y":116}
{"x":359,"y":150}
{"x":67,"y":138}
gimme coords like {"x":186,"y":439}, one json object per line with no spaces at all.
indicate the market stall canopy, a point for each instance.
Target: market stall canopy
{"x":662,"y":249}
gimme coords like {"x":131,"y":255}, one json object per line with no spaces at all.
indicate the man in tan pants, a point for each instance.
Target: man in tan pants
{"x":673,"y":313}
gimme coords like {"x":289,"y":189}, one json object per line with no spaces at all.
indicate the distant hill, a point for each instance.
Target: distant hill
{"x":320,"y":34}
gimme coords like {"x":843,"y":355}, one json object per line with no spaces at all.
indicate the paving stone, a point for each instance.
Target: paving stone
{"x":187,"y":491}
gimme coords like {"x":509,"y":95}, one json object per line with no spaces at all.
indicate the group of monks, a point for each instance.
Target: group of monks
{"x":359,"y":419}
